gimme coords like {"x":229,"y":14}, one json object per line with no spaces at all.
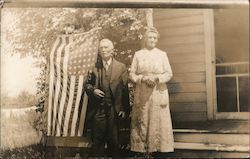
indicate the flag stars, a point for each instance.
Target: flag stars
{"x":83,"y":52}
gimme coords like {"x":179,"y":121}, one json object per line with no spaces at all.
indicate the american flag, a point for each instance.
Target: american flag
{"x":70,"y":59}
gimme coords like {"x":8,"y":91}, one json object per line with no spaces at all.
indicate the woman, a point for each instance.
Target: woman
{"x":151,"y":126}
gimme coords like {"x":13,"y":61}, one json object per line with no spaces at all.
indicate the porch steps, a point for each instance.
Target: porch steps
{"x":207,"y":140}
{"x":210,"y":140}
{"x":184,"y":140}
{"x":215,"y":139}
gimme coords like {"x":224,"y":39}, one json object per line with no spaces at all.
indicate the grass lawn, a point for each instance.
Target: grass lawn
{"x":19,"y":139}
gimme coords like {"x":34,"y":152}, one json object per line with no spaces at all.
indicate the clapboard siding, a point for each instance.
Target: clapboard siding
{"x":188,"y":106}
{"x":189,"y":116}
{"x":182,"y":36}
{"x":187,"y":87}
{"x":183,"y":30}
{"x":172,"y":13}
{"x":185,"y":39}
{"x":183,"y":48}
{"x":186,"y":58}
{"x":188,"y":77}
{"x":188,"y":67}
{"x":181,"y":21}
{"x":188,"y":97}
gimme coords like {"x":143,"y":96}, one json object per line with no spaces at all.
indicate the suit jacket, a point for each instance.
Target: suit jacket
{"x":118,"y":85}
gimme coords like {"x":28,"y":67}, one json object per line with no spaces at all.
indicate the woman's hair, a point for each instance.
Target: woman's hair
{"x":148,"y":30}
{"x":151,"y":29}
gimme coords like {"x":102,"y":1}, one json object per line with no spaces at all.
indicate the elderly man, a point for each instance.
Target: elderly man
{"x":108,"y":94}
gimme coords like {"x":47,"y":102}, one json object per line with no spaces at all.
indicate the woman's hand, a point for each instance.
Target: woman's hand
{"x":150,"y":80}
{"x":150,"y":83}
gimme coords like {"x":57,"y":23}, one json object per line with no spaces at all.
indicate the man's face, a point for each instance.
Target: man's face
{"x":106,"y":50}
{"x":151,"y":39}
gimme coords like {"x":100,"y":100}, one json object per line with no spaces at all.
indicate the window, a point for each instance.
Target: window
{"x":232,"y":56}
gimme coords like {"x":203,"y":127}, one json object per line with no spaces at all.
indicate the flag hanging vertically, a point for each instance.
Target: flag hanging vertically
{"x":70,"y":59}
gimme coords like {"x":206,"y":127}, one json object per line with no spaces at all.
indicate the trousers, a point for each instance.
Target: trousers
{"x":105,"y":131}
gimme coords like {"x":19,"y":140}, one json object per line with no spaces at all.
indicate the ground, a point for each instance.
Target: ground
{"x":19,"y":138}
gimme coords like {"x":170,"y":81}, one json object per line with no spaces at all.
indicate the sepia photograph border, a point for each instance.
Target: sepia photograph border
{"x":160,"y":4}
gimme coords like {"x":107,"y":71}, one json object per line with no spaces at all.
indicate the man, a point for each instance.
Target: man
{"x":108,"y":98}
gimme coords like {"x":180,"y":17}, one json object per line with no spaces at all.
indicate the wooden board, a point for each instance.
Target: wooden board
{"x":185,"y":39}
{"x":217,"y":147}
{"x":186,"y":58}
{"x":173,"y":13}
{"x":188,"y":97}
{"x":187,"y":87}
{"x":182,"y":30}
{"x":188,"y":77}
{"x":183,"y":48}
{"x":191,"y":153}
{"x":180,"y":21}
{"x":189,"y":116}
{"x":212,"y":138}
{"x":188,"y":67}
{"x":188,"y":107}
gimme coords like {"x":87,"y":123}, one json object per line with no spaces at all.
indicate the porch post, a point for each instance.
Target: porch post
{"x":149,"y":17}
{"x":209,"y":41}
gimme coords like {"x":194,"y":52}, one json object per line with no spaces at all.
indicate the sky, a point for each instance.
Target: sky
{"x":18,"y":74}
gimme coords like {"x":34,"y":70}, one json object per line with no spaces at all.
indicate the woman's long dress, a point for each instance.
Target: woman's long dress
{"x":151,"y":125}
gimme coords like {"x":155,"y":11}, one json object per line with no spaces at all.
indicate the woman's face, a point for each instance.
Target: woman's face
{"x":151,"y":40}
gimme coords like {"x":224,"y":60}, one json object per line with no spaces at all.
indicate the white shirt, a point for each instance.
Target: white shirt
{"x":106,"y":64}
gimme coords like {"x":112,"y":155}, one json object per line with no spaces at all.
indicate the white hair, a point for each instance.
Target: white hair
{"x":109,"y":42}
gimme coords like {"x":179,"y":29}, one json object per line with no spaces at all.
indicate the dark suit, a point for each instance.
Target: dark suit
{"x":103,"y":112}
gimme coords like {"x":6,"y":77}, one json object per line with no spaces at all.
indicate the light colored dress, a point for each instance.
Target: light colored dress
{"x":151,"y":125}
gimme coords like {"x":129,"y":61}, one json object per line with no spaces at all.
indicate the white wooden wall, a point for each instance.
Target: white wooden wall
{"x":183,"y":35}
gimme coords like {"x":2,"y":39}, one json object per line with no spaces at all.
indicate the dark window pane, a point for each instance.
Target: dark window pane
{"x":226,"y":94}
{"x":243,"y":89}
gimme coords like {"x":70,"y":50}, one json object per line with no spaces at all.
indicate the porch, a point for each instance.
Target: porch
{"x":220,"y":138}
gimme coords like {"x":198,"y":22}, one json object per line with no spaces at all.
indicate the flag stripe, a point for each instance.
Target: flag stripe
{"x":54,"y":80}
{"x":79,"y":114}
{"x":83,"y":114}
{"x":64,"y":88}
{"x":58,"y":115}
{"x":58,"y":83}
{"x":55,"y":46}
{"x":66,"y":104}
{"x":78,"y":97}
{"x":69,"y":106}
{"x":67,"y":89}
{"x":73,"y":106}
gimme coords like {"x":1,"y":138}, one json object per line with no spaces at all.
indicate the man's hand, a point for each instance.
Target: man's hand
{"x":98,"y":93}
{"x":121,"y":114}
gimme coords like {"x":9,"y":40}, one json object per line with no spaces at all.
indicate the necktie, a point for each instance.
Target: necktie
{"x":106,"y":66}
